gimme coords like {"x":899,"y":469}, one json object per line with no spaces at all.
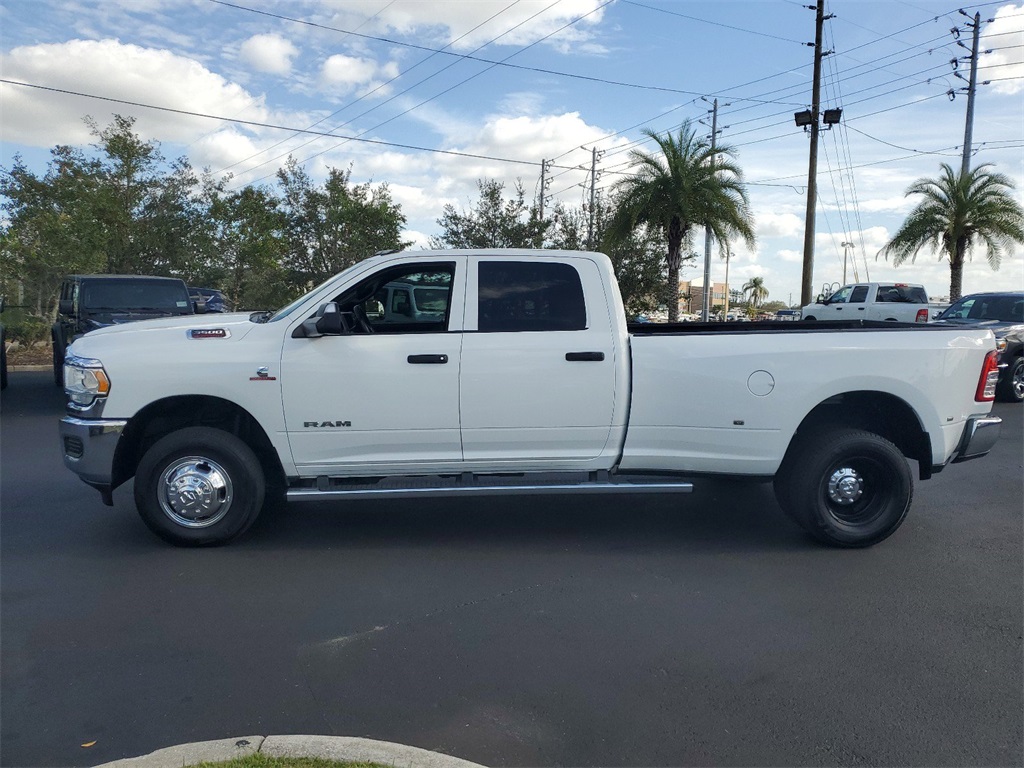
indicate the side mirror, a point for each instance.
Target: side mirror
{"x":328,"y":321}
{"x":199,"y":307}
{"x":66,"y":306}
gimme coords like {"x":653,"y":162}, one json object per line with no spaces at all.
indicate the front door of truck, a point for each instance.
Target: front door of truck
{"x":384,"y":397}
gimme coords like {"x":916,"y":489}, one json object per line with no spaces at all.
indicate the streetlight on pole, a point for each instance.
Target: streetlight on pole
{"x":846,"y":247}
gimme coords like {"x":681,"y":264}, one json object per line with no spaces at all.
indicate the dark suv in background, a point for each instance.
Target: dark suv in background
{"x":88,"y":302}
{"x":214,"y":300}
{"x":1003,"y":313}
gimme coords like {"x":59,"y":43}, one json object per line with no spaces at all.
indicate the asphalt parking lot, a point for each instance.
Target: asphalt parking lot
{"x":655,"y":631}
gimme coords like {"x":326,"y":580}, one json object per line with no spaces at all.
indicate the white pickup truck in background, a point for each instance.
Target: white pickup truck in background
{"x":519,"y":376}
{"x":899,"y":302}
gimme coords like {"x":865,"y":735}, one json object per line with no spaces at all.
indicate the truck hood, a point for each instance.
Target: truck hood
{"x":96,"y":320}
{"x":999,"y":327}
{"x":235,"y":325}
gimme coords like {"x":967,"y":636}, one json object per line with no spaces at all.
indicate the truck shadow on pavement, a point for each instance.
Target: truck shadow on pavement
{"x":718,"y":515}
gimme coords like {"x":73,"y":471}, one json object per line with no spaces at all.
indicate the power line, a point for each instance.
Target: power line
{"x":417,"y":106}
{"x":274,"y":126}
{"x":714,"y":23}
{"x":365,"y":95}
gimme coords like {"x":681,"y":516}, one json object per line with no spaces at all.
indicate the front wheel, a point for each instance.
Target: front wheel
{"x":847,"y":488}
{"x":199,"y":487}
{"x":58,"y":363}
{"x":1010,"y":387}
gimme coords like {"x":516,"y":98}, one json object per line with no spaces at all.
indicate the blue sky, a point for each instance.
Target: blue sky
{"x":512,"y":83}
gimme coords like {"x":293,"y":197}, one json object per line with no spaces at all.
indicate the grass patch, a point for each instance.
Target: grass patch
{"x":259,"y":760}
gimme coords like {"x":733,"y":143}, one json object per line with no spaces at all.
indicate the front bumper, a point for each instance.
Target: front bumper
{"x":980,"y":434}
{"x":88,"y":447}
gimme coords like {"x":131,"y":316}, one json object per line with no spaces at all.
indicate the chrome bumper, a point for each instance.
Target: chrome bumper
{"x":88,"y":447}
{"x":980,"y":434}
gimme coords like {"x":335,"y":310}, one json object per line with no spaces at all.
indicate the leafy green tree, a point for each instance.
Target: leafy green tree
{"x":959,"y":212}
{"x":330,"y":228}
{"x":53,"y":225}
{"x":248,"y":228}
{"x":755,"y":291}
{"x":493,"y":222}
{"x":637,"y":259}
{"x":687,"y":184}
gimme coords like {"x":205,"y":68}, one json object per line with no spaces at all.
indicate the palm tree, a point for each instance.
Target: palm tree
{"x":688,"y":184}
{"x":958,"y":212}
{"x":755,"y":291}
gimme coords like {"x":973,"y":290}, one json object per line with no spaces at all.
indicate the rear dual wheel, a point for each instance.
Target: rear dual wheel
{"x":846,"y":487}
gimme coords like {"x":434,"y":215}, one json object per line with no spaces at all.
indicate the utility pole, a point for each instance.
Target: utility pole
{"x":812,"y":170}
{"x":543,"y":187}
{"x":727,"y":255}
{"x":706,"y":308}
{"x":972,"y":86}
{"x":593,"y":196}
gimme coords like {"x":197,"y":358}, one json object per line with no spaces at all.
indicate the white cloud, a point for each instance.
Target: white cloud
{"x":469,"y":25}
{"x":1007,"y":59}
{"x":778,"y":224}
{"x":110,"y":68}
{"x":351,"y":72}
{"x":790,"y":256}
{"x":268,"y":53}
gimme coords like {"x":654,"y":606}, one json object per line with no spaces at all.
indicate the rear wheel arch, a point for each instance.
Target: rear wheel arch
{"x":880,"y":413}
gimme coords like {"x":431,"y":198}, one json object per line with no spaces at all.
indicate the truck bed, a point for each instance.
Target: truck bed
{"x":771,"y":326}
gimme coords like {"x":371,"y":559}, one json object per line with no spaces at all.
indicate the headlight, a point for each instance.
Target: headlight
{"x":1000,"y":345}
{"x":84,"y":380}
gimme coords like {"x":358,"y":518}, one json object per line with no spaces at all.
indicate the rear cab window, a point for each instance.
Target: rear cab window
{"x":529,"y":296}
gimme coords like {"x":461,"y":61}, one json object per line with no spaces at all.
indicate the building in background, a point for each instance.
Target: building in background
{"x":691,"y":296}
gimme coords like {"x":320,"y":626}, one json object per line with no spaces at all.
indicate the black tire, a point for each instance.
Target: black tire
{"x":810,"y":319}
{"x":199,"y":487}
{"x":1010,"y":387}
{"x":846,"y":487}
{"x":58,"y":363}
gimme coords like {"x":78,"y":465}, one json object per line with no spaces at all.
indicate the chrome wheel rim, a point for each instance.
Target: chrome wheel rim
{"x":1018,"y":381}
{"x":195,"y":492}
{"x":845,"y":486}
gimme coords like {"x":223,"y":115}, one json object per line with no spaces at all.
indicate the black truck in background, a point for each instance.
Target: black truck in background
{"x":88,"y":302}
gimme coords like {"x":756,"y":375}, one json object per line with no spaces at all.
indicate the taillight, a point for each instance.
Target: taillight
{"x":989,"y":374}
{"x":922,"y":316}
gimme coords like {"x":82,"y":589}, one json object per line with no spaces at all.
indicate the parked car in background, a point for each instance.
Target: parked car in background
{"x":1003,"y":314}
{"x":215,"y":300}
{"x":88,"y":302}
{"x":899,"y":302}
{"x":787,"y":314}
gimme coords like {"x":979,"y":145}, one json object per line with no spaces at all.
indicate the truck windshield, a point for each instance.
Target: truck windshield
{"x":128,"y":295}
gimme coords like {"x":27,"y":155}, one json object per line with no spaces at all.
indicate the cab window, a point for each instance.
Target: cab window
{"x":529,"y":296}
{"x":410,"y":298}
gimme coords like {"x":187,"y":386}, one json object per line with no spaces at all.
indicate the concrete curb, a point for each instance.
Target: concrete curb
{"x":344,"y":748}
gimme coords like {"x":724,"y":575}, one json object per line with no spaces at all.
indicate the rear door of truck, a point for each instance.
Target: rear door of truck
{"x":539,"y":367}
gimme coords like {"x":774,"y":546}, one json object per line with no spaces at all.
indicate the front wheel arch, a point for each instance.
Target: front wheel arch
{"x":164,"y":416}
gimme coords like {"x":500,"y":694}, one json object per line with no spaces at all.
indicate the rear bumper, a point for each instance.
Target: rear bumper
{"x":88,"y":447}
{"x":980,"y":434}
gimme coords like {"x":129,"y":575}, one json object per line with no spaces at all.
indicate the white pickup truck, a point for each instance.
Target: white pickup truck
{"x":899,"y":302}
{"x":522,"y":378}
